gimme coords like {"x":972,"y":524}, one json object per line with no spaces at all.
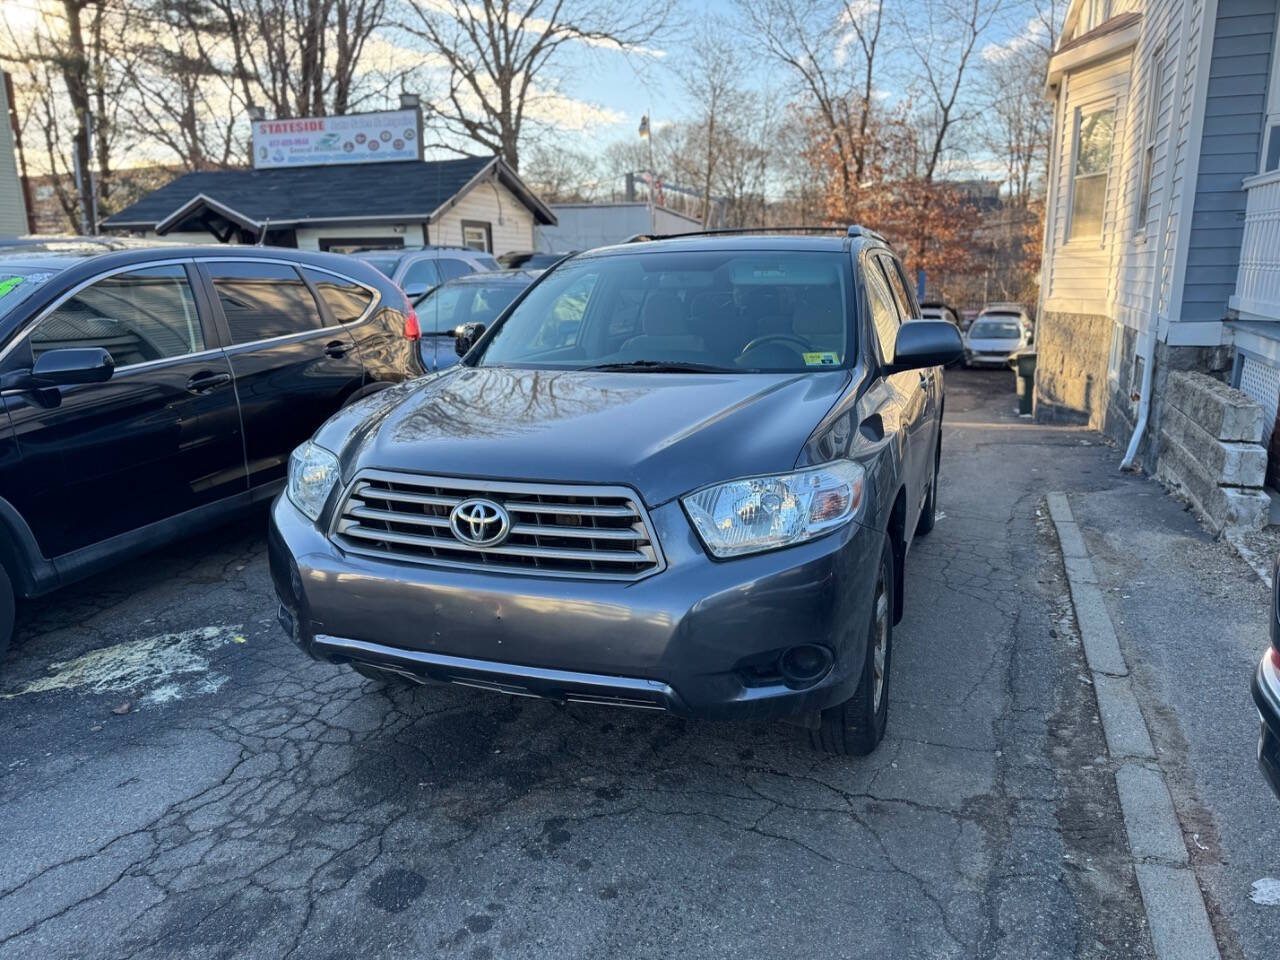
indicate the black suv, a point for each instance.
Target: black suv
{"x":680,"y":475}
{"x":149,"y":392}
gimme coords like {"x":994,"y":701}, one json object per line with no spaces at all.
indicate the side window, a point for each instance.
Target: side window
{"x":263,"y":300}
{"x":1092,"y":162}
{"x":142,"y":315}
{"x":564,"y":321}
{"x":439,"y":313}
{"x":897,"y":288}
{"x":423,"y":272}
{"x":884,"y":315}
{"x":346,"y":299}
{"x":451,"y":267}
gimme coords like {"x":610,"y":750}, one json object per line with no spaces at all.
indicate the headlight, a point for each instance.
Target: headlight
{"x":313,"y":471}
{"x":761,"y":513}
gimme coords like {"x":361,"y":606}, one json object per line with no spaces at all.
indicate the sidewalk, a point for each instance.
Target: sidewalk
{"x":1190,"y":616}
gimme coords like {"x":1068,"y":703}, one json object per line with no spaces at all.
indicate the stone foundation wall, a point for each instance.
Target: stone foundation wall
{"x":1071,"y":368}
{"x":1210,"y":449}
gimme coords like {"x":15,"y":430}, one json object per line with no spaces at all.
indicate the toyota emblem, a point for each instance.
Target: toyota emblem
{"x":480,"y":522}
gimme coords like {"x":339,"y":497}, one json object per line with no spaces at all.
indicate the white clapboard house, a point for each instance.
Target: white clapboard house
{"x":1162,"y":238}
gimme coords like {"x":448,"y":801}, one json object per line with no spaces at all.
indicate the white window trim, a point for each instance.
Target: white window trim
{"x":1093,"y":106}
{"x":1272,"y":117}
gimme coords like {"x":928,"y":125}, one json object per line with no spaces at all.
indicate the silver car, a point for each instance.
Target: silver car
{"x":419,"y":271}
{"x":991,"y":338}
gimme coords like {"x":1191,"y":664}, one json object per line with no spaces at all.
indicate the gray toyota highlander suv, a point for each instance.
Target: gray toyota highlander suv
{"x":681,"y":475}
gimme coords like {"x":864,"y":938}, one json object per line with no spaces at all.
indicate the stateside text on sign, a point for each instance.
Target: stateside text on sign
{"x":354,"y":138}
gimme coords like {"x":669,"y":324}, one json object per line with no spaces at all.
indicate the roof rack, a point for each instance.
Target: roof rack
{"x":854,"y":230}
{"x":732,"y":231}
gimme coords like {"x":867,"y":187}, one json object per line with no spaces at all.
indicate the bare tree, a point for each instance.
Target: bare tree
{"x":710,"y":75}
{"x":831,"y":49}
{"x":502,"y":56}
{"x":943,"y":37}
{"x":297,"y":58}
{"x":562,"y":176}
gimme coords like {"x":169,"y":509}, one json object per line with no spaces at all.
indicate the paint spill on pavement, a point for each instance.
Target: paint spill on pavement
{"x":169,"y":666}
{"x":1266,"y":892}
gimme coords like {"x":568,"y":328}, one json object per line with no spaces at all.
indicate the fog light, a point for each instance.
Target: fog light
{"x":804,"y":665}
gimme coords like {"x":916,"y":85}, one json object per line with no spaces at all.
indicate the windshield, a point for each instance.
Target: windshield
{"x":454,"y":304}
{"x":18,"y":283}
{"x":735,"y":310}
{"x":996,"y":330}
{"x":384,"y":265}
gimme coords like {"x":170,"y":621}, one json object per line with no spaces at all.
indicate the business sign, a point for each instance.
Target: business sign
{"x":354,"y":138}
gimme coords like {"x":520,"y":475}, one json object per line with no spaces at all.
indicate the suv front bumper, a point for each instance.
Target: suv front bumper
{"x":696,"y":639}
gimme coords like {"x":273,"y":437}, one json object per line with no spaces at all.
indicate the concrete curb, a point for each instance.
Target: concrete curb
{"x":1171,"y":896}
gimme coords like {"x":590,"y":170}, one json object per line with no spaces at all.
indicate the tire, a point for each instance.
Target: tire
{"x":6,"y":611}
{"x":929,"y":515}
{"x":856,"y":727}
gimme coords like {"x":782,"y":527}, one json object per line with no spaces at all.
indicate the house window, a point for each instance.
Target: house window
{"x":1155,"y":93}
{"x":1094,"y":131}
{"x":478,"y":235}
{"x":1271,"y":153}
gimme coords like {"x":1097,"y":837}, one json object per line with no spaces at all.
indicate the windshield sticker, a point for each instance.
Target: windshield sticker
{"x":9,"y":283}
{"x":823,"y":359}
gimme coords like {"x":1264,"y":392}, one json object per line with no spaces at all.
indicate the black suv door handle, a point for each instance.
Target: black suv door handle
{"x":207,"y":380}
{"x":336,"y":349}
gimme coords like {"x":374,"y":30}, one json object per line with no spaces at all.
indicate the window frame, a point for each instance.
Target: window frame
{"x":484,"y":225}
{"x":871,"y":262}
{"x":212,"y":335}
{"x":216,"y":307}
{"x":1083,"y":110}
{"x":1271,"y":113}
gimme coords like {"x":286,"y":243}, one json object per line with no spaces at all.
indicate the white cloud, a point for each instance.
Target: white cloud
{"x":1034,"y":34}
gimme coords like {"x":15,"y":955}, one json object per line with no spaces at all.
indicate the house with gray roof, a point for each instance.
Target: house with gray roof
{"x":478,"y":202}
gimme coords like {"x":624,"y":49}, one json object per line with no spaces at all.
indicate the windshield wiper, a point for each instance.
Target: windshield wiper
{"x":662,"y":366}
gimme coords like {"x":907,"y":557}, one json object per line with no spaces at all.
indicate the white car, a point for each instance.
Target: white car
{"x":992,"y":337}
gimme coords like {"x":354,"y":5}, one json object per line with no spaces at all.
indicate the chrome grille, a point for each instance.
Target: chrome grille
{"x":592,"y":532}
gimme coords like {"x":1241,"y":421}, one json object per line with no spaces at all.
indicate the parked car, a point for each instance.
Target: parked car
{"x":418,"y":270}
{"x":937,"y":310}
{"x":1266,"y":692}
{"x":529,"y":259}
{"x":152,"y":392}
{"x":475,"y":298}
{"x":991,"y":338}
{"x":680,"y":475}
{"x":1011,"y":310}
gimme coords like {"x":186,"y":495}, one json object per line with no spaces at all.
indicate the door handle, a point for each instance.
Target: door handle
{"x":207,"y":380}
{"x":336,"y":349}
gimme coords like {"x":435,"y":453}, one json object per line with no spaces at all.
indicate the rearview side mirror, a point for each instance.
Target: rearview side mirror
{"x":64,"y":367}
{"x":465,"y":337}
{"x":926,"y":343}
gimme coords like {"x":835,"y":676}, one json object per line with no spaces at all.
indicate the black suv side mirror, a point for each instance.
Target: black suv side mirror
{"x":465,"y":337}
{"x":926,"y":343}
{"x":64,"y":367}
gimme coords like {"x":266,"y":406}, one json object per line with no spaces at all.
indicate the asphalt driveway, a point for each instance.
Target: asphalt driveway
{"x":176,"y":780}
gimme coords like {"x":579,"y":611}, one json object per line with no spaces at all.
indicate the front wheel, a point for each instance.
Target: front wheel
{"x":6,"y":611}
{"x":929,"y":513}
{"x":857,"y":726}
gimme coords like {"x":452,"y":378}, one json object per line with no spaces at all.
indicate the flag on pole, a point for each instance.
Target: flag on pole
{"x":644,"y":126}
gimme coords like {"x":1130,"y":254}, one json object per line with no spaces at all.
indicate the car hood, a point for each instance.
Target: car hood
{"x":663,"y":434}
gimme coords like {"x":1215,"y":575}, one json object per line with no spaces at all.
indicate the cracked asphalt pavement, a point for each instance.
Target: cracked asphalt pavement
{"x":251,"y":803}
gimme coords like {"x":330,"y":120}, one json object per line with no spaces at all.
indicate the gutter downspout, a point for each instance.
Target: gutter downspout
{"x":1157,"y":280}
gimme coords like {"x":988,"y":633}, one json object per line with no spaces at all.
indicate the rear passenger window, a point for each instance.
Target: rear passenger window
{"x":451,"y":267}
{"x":142,"y":315}
{"x":263,"y":300}
{"x":346,"y":299}
{"x":884,"y":315}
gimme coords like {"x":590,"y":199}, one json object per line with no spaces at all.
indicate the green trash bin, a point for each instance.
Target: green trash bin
{"x":1023,"y":363}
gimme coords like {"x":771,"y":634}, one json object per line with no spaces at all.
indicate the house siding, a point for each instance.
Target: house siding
{"x":511,"y":222}
{"x":13,"y":209}
{"x":1229,"y":152}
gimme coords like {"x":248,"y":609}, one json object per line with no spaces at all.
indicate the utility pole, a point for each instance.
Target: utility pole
{"x":653,"y":177}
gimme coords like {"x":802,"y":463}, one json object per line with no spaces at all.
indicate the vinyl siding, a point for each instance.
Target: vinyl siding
{"x":1236,"y":99}
{"x":13,"y":211}
{"x":1078,"y":271}
{"x":489,"y":202}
